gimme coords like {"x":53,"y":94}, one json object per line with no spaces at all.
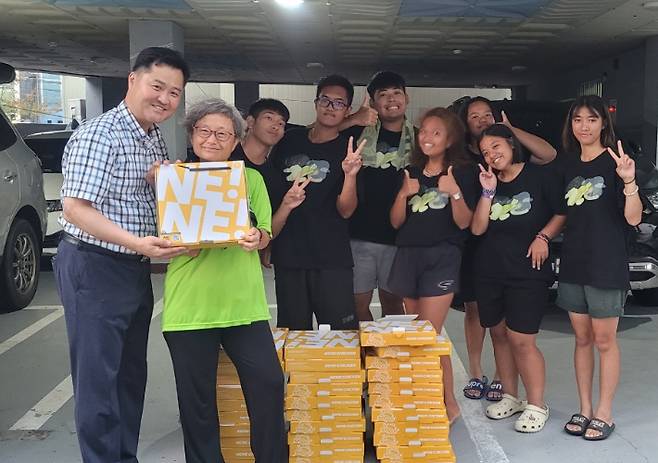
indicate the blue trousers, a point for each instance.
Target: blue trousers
{"x":108,"y":303}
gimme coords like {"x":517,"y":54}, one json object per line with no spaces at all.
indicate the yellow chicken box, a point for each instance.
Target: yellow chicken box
{"x":202,"y":204}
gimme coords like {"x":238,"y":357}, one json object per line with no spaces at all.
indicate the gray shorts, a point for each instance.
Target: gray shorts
{"x":372,"y":265}
{"x":595,"y":302}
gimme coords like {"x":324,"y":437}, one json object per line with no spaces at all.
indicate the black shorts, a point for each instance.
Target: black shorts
{"x":466,"y":275}
{"x":327,"y":293}
{"x":520,"y":303}
{"x":425,"y":271}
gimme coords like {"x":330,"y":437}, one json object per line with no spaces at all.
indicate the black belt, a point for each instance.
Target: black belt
{"x":84,"y":246}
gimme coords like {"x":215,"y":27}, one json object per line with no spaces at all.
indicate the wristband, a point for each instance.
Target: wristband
{"x":628,"y":183}
{"x":489,"y":194}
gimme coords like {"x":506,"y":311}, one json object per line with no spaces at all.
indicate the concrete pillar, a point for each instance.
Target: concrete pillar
{"x":145,"y":34}
{"x":245,"y":94}
{"x":649,"y":132}
{"x":103,"y":93}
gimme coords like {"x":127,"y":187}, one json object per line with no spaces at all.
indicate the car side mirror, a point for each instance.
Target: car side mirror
{"x":7,"y":73}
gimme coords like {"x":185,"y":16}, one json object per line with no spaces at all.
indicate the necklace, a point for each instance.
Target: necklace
{"x":427,"y":173}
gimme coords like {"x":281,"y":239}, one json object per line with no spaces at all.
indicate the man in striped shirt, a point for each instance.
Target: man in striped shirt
{"x":102,"y":267}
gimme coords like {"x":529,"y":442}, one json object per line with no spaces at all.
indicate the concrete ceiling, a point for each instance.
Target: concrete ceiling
{"x":501,"y":42}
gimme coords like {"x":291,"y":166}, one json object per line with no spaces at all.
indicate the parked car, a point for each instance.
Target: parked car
{"x":22,"y":214}
{"x":49,"y":147}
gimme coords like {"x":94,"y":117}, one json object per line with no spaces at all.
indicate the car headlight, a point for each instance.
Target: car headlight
{"x":54,"y":205}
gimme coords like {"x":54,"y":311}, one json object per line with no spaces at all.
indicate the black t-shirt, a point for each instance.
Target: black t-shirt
{"x":376,"y":188}
{"x":594,"y":250}
{"x":520,"y":209}
{"x":266,"y":169}
{"x":429,"y":213}
{"x":315,"y":236}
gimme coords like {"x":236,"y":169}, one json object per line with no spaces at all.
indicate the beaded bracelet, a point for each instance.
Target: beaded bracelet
{"x":489,"y":194}
{"x":634,"y":192}
{"x":543,"y":236}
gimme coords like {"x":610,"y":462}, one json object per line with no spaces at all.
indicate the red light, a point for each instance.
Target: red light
{"x":612,"y":109}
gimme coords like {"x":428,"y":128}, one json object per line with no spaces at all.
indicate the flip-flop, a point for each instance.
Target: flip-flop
{"x":476,"y":387}
{"x":578,"y":420}
{"x":495,"y":387}
{"x":601,"y":426}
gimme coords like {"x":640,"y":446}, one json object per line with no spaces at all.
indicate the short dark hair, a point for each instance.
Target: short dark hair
{"x":338,"y":81}
{"x":598,"y":106}
{"x":455,"y":154}
{"x":502,"y":131}
{"x":385,"y":79}
{"x":154,"y":56}
{"x":463,"y":113}
{"x":268,"y":104}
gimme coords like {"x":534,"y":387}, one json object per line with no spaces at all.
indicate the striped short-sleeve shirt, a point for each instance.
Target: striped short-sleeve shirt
{"x":105,"y":162}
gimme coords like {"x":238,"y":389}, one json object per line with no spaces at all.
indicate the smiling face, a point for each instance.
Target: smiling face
{"x":331,"y":115}
{"x":433,"y":137}
{"x":586,"y":126}
{"x":497,"y":152}
{"x":211,"y":148}
{"x":268,"y":127}
{"x":154,"y":94}
{"x":390,"y":103}
{"x":479,"y":116}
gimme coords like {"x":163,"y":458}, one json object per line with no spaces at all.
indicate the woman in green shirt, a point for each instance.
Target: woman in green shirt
{"x":217,"y":297}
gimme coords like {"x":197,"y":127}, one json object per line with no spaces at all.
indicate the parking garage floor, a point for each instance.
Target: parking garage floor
{"x":36,"y":409}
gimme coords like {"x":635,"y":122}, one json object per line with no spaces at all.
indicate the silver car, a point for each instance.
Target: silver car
{"x":22,"y":214}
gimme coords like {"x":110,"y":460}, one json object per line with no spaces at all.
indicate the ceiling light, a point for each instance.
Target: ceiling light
{"x":519,"y":68}
{"x":650,"y":5}
{"x":290,"y":3}
{"x":457,"y":51}
{"x":314,"y":65}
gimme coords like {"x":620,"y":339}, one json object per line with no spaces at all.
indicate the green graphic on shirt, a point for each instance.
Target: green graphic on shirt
{"x":581,"y":189}
{"x":431,"y":198}
{"x":316,"y":171}
{"x":503,"y":207}
{"x":388,"y":159}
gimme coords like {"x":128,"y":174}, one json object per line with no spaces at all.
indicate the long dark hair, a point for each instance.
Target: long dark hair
{"x":454,"y":154}
{"x":597,"y":106}
{"x":502,"y":131}
{"x":463,"y":114}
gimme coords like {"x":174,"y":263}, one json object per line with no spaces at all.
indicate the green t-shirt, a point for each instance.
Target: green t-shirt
{"x":221,"y":287}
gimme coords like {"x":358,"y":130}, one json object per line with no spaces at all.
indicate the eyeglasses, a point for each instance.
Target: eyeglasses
{"x":220,"y":135}
{"x":325,"y":102}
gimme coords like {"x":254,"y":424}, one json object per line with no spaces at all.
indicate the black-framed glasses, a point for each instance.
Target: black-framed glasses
{"x":326,"y":102}
{"x":220,"y":135}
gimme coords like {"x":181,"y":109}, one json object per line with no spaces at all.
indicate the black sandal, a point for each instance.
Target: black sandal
{"x":578,"y":420}
{"x":475,"y":388}
{"x":601,"y":426}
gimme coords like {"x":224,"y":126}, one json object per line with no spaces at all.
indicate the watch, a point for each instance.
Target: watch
{"x":456,"y":196}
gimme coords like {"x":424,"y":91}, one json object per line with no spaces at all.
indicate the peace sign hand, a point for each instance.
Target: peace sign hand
{"x":488,"y":179}
{"x":625,"y":164}
{"x":296,"y":194}
{"x":447,"y":183}
{"x":365,"y":116}
{"x":352,"y":162}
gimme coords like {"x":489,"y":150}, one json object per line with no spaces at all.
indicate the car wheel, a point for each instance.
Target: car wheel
{"x":19,"y":272}
{"x":648,"y":297}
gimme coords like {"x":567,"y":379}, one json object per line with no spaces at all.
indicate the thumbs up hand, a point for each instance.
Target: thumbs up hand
{"x":365,"y":115}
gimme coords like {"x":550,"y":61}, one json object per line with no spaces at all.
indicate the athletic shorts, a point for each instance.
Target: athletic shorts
{"x":520,"y":303}
{"x":372,"y":265}
{"x":325,"y":293}
{"x":466,"y":275}
{"x":425,"y":271}
{"x":595,"y":302}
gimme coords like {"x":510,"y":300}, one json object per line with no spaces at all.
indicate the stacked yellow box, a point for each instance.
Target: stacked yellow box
{"x":405,"y":391}
{"x":323,"y":396}
{"x":234,"y":430}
